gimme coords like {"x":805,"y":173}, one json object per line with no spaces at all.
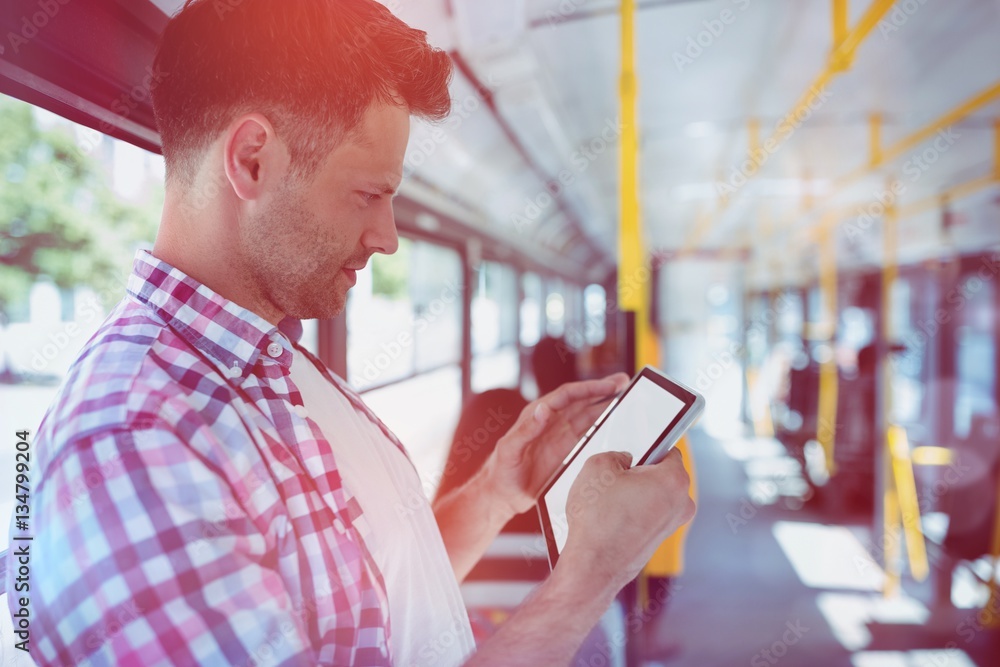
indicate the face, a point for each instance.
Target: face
{"x":305,"y":242}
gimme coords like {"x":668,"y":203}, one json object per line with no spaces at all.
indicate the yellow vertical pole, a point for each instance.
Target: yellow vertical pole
{"x":891,"y":525}
{"x":993,"y":620}
{"x":630,"y":241}
{"x":753,"y":134}
{"x":634,"y":274}
{"x":891,"y":532}
{"x":996,"y":149}
{"x":875,"y":140}
{"x":839,"y":62}
{"x":839,"y":23}
{"x":631,"y":287}
{"x":827,"y":417}
{"x":807,"y":194}
{"x":898,"y":476}
{"x":909,"y":504}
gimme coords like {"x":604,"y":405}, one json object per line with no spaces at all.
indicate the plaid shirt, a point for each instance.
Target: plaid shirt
{"x":176,"y":519}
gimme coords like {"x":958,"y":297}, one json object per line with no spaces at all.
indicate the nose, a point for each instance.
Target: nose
{"x":380,"y":231}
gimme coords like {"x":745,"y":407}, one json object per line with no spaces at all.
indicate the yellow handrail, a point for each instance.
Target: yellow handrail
{"x":880,"y":156}
{"x":929,"y":455}
{"x":826,"y":423}
{"x":845,"y":46}
{"x":905,"y":487}
{"x":992,"y":620}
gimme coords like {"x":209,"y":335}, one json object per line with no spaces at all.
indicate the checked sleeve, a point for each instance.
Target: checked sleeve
{"x":144,"y":555}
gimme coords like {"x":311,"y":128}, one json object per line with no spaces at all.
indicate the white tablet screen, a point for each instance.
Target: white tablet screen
{"x":633,"y":426}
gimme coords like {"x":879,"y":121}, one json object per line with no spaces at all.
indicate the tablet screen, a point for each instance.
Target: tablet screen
{"x":635,"y":425}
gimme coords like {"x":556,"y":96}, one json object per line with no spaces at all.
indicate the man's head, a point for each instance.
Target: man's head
{"x":293,"y":116}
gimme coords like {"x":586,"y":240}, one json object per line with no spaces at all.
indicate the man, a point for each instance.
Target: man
{"x":209,"y":493}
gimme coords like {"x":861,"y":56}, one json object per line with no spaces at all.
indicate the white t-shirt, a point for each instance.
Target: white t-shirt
{"x":429,"y":624}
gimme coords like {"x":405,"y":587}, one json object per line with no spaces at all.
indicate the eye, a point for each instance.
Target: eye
{"x":369,"y":197}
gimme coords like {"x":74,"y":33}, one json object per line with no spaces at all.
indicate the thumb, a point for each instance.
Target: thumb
{"x":533,"y":422}
{"x":623,"y":459}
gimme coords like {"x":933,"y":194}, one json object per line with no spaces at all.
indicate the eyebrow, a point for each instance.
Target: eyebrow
{"x":385,"y":188}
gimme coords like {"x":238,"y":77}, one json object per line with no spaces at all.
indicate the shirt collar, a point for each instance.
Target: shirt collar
{"x":232,"y":336}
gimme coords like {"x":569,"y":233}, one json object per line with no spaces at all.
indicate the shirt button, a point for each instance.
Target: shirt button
{"x":301,"y":411}
{"x":274,"y":350}
{"x":234,"y":372}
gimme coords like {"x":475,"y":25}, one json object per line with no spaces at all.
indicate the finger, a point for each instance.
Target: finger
{"x":530,"y":424}
{"x":583,"y":418}
{"x":672,"y":466}
{"x":572,"y":392}
{"x":617,"y":461}
{"x":624,"y":460}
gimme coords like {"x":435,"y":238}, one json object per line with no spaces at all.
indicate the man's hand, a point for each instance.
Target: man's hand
{"x":544,"y":433}
{"x":618,"y":516}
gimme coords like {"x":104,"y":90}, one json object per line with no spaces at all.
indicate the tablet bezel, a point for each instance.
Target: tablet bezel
{"x":688,"y":397}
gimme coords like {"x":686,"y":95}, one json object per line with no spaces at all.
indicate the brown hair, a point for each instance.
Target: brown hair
{"x":311,"y":66}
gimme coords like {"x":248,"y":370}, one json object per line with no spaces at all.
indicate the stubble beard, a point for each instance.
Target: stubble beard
{"x":292,"y":263}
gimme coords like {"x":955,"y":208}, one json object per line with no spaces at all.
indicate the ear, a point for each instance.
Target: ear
{"x":255,"y":159}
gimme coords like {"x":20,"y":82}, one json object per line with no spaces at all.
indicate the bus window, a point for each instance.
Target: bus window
{"x":404,"y":315}
{"x":404,"y":333}
{"x":595,"y":312}
{"x":907,"y":366}
{"x":555,"y":308}
{"x":756,"y":330}
{"x":975,"y":382}
{"x":531,"y":309}
{"x":494,"y":334}
{"x":790,"y":318}
{"x":436,"y":285}
{"x":310,"y":336}
{"x":380,"y":321}
{"x":76,"y":206}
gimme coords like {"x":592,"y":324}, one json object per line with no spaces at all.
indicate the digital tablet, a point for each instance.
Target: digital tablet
{"x":646,"y":420}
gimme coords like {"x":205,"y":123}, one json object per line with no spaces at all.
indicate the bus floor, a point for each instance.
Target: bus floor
{"x":770,"y":582}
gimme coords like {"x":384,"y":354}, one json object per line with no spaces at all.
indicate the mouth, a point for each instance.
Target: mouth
{"x":352,"y":275}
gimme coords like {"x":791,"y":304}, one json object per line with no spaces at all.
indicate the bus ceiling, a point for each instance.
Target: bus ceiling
{"x":90,"y":61}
